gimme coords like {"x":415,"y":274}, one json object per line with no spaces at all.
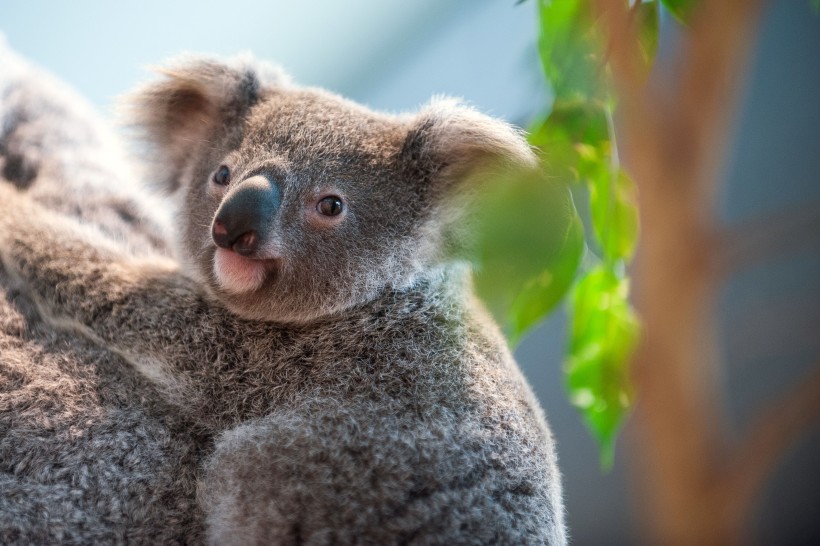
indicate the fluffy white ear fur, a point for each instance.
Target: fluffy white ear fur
{"x":458,"y":138}
{"x":195,"y":95}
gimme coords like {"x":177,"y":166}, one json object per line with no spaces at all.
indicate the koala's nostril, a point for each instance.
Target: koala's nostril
{"x":220,"y":235}
{"x":245,"y":215}
{"x":246,"y":244}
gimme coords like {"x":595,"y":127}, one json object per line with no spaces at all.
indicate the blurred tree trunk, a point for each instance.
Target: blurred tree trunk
{"x":696,"y":488}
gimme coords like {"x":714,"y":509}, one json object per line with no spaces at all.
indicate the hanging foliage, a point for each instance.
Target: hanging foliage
{"x":531,"y":240}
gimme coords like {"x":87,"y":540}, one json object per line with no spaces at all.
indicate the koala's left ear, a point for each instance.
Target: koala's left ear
{"x":195,"y":98}
{"x":450,"y":140}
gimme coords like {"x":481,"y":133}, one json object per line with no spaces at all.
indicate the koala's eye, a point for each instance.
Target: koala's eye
{"x":222,"y":176}
{"x":330,"y":206}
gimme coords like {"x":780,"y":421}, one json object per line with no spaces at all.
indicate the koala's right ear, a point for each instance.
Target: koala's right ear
{"x":196,"y":97}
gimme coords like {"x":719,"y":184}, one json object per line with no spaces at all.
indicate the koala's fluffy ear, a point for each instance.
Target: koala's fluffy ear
{"x":451,"y":141}
{"x":195,"y":98}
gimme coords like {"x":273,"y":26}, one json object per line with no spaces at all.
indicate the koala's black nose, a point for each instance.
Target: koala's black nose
{"x":244,"y":218}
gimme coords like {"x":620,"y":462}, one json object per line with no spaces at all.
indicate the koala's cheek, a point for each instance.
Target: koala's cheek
{"x":236,"y":274}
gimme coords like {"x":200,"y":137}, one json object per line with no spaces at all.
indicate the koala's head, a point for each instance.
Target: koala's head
{"x":298,"y":203}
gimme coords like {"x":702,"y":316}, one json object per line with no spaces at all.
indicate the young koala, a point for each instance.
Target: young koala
{"x":356,"y":390}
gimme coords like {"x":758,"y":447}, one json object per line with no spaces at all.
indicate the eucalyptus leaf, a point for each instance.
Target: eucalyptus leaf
{"x":613,"y":203}
{"x":528,"y":251}
{"x":526,"y":247}
{"x":573,"y":131}
{"x":580,"y":121}
{"x":649,"y":27}
{"x":571,"y":50}
{"x":542,"y":293}
{"x":681,"y":9}
{"x":557,"y":148}
{"x":603,"y":334}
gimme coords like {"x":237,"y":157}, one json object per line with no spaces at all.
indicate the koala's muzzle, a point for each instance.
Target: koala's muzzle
{"x":245,"y":216}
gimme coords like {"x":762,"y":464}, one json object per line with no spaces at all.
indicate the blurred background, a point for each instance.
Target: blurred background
{"x":394,"y":55}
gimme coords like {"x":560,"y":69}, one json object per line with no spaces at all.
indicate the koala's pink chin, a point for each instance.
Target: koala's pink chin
{"x":237,"y":274}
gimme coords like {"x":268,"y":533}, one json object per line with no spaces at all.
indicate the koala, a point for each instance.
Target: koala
{"x":314,"y":326}
{"x":90,"y":452}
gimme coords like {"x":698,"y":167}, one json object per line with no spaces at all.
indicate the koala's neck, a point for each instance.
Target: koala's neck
{"x":443,"y":286}
{"x":394,"y":338}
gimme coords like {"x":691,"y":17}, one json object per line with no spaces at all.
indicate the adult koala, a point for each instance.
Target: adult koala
{"x":356,"y":390}
{"x":88,"y":452}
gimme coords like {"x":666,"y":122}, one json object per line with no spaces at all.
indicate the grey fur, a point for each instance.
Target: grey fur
{"x":89,"y":453}
{"x":359,"y":393}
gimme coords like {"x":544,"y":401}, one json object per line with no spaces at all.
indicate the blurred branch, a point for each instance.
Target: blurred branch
{"x":622,"y":52}
{"x":711,"y":75}
{"x":674,"y":135}
{"x":778,"y":427}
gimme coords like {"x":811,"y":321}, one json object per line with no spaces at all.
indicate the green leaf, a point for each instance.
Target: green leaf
{"x":578,"y":143}
{"x":572,"y":131}
{"x":576,"y":146}
{"x":527,"y":244}
{"x":571,"y":50}
{"x":681,"y":9}
{"x":613,"y":203}
{"x":577,"y":121}
{"x":541,"y":294}
{"x":603,"y":334}
{"x":649,"y":26}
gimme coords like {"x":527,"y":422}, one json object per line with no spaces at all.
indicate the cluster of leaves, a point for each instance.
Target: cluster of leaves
{"x":531,"y":240}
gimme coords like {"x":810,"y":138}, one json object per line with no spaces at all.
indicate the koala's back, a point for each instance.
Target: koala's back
{"x":88,"y":453}
{"x":409,"y":423}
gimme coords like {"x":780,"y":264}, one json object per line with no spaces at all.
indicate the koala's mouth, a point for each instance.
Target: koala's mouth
{"x":237,"y":274}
